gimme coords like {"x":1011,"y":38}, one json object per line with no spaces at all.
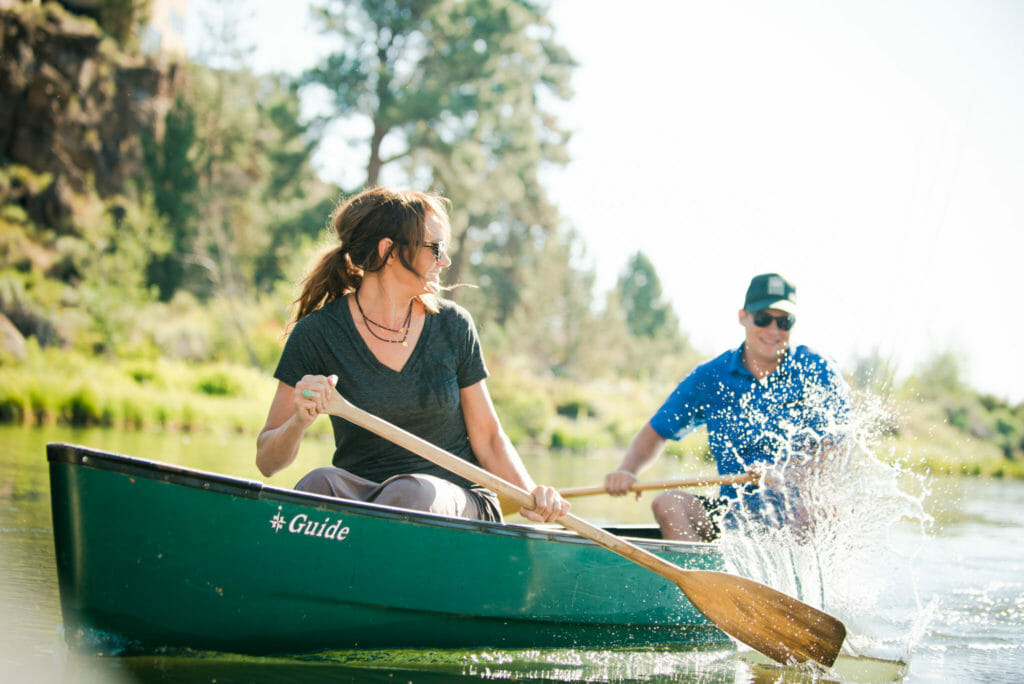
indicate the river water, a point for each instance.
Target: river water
{"x":935,"y":597}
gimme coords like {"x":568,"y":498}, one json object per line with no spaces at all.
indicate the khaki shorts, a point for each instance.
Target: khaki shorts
{"x":716,"y":507}
{"x":414,"y":492}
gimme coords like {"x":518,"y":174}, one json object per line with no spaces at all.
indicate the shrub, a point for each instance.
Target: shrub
{"x":218,"y":384}
{"x":576,"y":409}
{"x":39,"y":407}
{"x":82,"y":409}
{"x":524,"y":409}
{"x":13,"y":408}
{"x":142,"y":375}
{"x":132,"y":415}
{"x":562,"y":438}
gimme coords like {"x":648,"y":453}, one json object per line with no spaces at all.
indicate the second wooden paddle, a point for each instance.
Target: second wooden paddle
{"x":707,"y":481}
{"x":508,"y":507}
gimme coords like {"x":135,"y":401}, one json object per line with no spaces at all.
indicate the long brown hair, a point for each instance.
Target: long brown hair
{"x":360,"y":223}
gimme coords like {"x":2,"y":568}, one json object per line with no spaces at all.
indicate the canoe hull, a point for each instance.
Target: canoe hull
{"x":157,"y":556}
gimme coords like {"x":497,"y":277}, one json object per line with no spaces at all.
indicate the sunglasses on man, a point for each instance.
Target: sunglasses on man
{"x":762,"y":319}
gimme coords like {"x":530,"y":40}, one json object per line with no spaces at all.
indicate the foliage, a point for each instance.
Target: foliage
{"x":874,"y":373}
{"x":24,"y":309}
{"x":121,"y":19}
{"x":75,"y":389}
{"x":223,"y":205}
{"x":647,"y":314}
{"x":553,"y":325}
{"x":537,"y":411}
{"x":218,"y":384}
{"x":140,"y":306}
{"x":423,"y":73}
{"x":231,"y":175}
{"x":82,"y":284}
{"x":944,"y":426}
{"x":454,"y":96}
{"x":173,"y":180}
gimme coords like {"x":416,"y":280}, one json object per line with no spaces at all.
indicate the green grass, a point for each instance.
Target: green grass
{"x":65,"y":388}
{"x":55,"y":387}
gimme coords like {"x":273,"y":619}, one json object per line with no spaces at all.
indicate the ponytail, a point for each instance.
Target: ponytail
{"x":333,"y":276}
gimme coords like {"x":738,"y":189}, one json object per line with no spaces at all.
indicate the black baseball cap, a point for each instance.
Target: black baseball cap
{"x":770,"y":291}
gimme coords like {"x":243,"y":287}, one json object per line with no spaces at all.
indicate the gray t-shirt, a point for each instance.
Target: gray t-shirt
{"x":423,"y":398}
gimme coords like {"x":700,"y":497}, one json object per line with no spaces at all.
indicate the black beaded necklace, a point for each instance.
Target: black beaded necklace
{"x":403,"y":331}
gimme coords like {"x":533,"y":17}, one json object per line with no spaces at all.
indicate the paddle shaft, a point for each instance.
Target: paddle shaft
{"x":509,"y":507}
{"x":709,"y":481}
{"x":769,"y":621}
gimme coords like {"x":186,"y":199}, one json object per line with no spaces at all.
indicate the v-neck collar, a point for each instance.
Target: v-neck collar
{"x":367,"y":353}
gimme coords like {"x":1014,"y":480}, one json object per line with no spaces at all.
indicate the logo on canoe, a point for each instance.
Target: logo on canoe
{"x":301,"y":524}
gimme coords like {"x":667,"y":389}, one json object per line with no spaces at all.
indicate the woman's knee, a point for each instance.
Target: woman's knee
{"x":317,"y":481}
{"x":409,"y":492}
{"x":338,"y":483}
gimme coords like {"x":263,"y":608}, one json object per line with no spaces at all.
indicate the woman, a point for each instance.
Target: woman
{"x":369,"y":320}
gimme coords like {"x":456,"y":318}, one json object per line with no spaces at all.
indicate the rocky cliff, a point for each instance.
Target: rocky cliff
{"x":73,"y":108}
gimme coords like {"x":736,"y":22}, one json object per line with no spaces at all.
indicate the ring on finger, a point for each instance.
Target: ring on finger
{"x":307,"y":393}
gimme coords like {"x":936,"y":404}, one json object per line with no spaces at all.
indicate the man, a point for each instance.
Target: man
{"x":761,"y":402}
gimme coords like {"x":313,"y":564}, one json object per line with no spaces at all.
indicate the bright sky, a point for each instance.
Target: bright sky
{"x":870,"y":150}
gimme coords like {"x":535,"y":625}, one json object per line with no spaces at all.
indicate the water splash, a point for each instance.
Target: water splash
{"x":825,"y":530}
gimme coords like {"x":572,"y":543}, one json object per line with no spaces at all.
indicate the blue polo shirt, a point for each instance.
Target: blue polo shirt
{"x":750,"y":421}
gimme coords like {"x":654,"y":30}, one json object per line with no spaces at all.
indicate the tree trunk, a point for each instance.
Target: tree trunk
{"x":374,"y":164}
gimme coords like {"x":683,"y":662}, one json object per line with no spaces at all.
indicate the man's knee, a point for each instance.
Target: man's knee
{"x":680,"y":515}
{"x":673,"y":504}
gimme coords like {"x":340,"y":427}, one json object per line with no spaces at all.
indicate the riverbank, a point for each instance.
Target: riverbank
{"x":918,"y":429}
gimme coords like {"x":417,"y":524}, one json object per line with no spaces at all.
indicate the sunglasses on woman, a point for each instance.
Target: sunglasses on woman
{"x":762,"y":319}
{"x":438,"y":248}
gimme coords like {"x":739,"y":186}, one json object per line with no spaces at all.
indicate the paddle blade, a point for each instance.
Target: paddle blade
{"x":767,"y":620}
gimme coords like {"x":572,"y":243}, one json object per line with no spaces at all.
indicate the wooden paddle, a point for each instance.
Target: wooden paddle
{"x":508,"y":507}
{"x":777,"y":625}
{"x":707,"y":481}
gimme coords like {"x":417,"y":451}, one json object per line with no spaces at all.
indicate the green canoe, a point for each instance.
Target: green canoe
{"x":151,"y":555}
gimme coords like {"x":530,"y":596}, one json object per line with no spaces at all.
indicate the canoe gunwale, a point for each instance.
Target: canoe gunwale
{"x":88,"y":457}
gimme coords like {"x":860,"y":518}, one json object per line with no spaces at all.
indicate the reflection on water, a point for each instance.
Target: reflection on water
{"x":434,"y":666}
{"x":953,"y":600}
